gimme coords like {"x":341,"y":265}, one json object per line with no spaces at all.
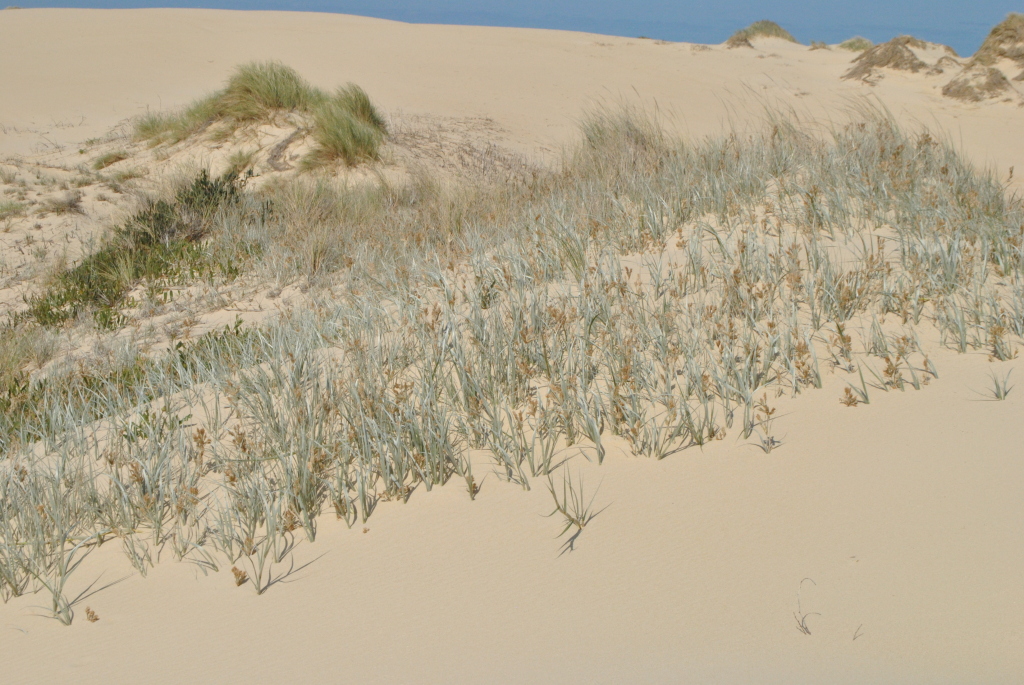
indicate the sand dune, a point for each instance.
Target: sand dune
{"x":72,"y":74}
{"x":890,"y":531}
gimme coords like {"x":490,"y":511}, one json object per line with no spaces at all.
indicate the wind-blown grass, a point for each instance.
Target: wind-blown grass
{"x":345,"y":126}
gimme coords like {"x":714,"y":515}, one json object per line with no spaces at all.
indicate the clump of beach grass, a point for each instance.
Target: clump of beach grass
{"x":759,"y":29}
{"x":345,"y":125}
{"x":108,"y":158}
{"x":11,"y":208}
{"x":856,"y":44}
{"x":70,"y":202}
{"x":981,"y":79}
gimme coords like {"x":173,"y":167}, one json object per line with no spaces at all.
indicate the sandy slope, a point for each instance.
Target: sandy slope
{"x":904,"y":514}
{"x":67,"y":75}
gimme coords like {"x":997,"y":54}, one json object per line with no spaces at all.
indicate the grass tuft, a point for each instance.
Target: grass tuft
{"x":10,"y":208}
{"x":759,"y":29}
{"x":346,"y":127}
{"x":113,"y":157}
{"x":68,"y":203}
{"x":856,"y":44}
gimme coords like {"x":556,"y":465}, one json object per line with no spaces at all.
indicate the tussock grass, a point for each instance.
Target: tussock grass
{"x":108,"y":158}
{"x":759,"y":29}
{"x":856,"y":44}
{"x":345,"y":125}
{"x":976,"y":83}
{"x":980,"y":79}
{"x":661,"y":291}
{"x":10,"y":208}
{"x":68,"y":203}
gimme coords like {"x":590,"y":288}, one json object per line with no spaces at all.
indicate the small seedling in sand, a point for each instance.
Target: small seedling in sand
{"x":575,"y":509}
{"x":1000,"y":388}
{"x":799,"y":615}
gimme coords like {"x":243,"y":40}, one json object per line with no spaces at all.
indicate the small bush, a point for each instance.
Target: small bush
{"x":759,"y":29}
{"x":156,"y":242}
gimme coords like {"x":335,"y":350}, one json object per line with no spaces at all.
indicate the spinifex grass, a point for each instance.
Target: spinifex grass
{"x":661,"y":291}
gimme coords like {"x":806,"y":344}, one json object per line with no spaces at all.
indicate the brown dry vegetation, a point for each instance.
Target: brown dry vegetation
{"x":895,"y":54}
{"x":976,"y":83}
{"x":981,"y":78}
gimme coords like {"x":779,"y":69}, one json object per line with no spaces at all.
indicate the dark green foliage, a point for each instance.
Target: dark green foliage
{"x":161,"y":240}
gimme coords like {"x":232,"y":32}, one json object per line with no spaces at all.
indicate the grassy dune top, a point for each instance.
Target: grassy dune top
{"x":1004,"y":41}
{"x":856,"y":44}
{"x":345,"y":124}
{"x":759,"y":29}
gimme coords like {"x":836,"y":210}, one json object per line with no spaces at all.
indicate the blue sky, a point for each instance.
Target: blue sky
{"x":958,"y":23}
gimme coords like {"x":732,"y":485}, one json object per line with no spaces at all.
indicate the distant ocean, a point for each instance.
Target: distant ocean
{"x":958,"y":23}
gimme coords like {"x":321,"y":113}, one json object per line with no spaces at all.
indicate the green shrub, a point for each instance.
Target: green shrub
{"x":158,"y":241}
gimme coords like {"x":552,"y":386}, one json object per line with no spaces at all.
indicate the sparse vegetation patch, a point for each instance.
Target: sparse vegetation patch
{"x":895,"y":54}
{"x":156,"y":242}
{"x":108,"y":158}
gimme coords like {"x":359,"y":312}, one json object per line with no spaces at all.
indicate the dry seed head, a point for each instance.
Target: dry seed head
{"x":240,"y":576}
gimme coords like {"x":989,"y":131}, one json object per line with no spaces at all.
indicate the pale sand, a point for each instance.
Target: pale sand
{"x":905,"y":513}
